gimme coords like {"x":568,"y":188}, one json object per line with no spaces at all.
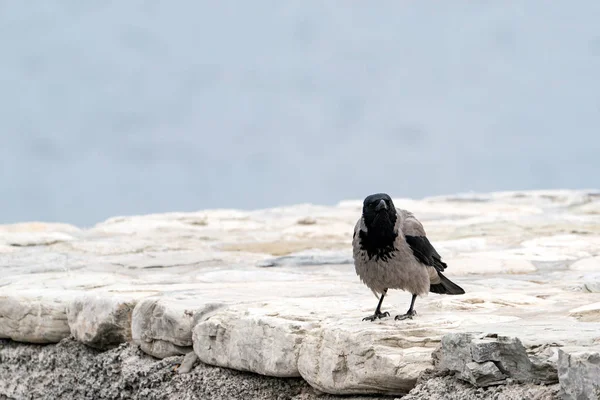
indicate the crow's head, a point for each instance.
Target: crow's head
{"x":379,"y":212}
{"x":379,"y":217}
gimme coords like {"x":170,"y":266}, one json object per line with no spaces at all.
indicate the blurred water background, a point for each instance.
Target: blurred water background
{"x":113,"y":108}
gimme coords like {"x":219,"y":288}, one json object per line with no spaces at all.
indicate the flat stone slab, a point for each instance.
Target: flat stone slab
{"x":34,"y":317}
{"x":275,"y":292}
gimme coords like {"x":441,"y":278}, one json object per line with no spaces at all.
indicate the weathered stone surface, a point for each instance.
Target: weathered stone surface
{"x":483,"y":374}
{"x":587,"y":313}
{"x":274,"y":285}
{"x":579,"y":374}
{"x":587,"y":264}
{"x":34,"y":318}
{"x":36,"y":234}
{"x":358,"y":358}
{"x":332,"y":349}
{"x":310,"y":257}
{"x":101,"y":320}
{"x":484,"y":264}
{"x":162,"y":328}
{"x":470,"y":355}
{"x":253,"y":339}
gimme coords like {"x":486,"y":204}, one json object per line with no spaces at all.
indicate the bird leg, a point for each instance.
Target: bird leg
{"x":378,"y":314}
{"x":411,"y":312}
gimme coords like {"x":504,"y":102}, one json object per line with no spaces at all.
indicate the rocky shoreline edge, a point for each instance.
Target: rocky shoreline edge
{"x":271,"y":296}
{"x":70,"y":370}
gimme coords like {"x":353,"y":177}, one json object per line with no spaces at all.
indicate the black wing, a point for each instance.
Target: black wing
{"x":425,"y":252}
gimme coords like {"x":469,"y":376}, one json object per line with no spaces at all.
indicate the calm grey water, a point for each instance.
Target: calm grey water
{"x":147,"y":106}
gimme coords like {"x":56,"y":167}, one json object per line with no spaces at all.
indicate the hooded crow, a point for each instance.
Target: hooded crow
{"x":391,"y":251}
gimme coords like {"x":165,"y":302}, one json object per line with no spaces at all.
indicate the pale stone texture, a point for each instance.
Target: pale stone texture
{"x":36,"y":234}
{"x":275,"y":292}
{"x":33,"y":318}
{"x":480,"y":264}
{"x":351,"y":358}
{"x":101,"y":320}
{"x":579,"y":374}
{"x":587,"y":264}
{"x":162,"y":328}
{"x":256,"y":339}
{"x":587,"y":313}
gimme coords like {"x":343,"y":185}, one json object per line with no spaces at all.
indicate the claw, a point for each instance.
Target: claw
{"x":408,"y":315}
{"x":376,"y":316}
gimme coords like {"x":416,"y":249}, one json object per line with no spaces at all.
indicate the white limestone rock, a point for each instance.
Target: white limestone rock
{"x":5,"y":249}
{"x":592,"y":284}
{"x":591,"y":264}
{"x":34,"y":317}
{"x":579,"y":374}
{"x":162,"y":328}
{"x":354,"y":358}
{"x":587,"y":313}
{"x":36,"y":234}
{"x":326,"y":342}
{"x":309,"y":258}
{"x":254,"y":339}
{"x":553,"y":247}
{"x":101,"y":320}
{"x":592,"y":208}
{"x":487,"y":265}
{"x":528,"y":262}
{"x":26,"y":239}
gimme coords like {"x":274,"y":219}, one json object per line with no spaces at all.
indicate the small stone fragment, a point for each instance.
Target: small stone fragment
{"x":484,"y":374}
{"x":188,"y":363}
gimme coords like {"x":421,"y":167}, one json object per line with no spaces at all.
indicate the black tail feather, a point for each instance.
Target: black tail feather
{"x":446,"y":286}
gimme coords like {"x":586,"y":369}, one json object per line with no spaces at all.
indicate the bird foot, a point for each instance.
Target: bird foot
{"x":409,"y":315}
{"x":376,"y":316}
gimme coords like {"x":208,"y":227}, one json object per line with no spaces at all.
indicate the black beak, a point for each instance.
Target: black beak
{"x":381,"y":206}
